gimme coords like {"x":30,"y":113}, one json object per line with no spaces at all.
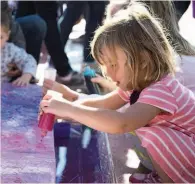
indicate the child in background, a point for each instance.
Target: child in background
{"x":10,"y":53}
{"x":135,"y":53}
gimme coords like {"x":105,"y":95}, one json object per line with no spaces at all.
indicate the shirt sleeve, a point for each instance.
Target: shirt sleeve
{"x":23,"y":60}
{"x":159,"y":96}
{"x":125,"y":95}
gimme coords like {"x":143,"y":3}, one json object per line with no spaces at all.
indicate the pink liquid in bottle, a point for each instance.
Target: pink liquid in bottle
{"x":46,"y":120}
{"x":46,"y":123}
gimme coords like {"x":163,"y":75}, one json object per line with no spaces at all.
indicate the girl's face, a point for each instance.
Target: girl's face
{"x":4,"y":36}
{"x":116,"y":67}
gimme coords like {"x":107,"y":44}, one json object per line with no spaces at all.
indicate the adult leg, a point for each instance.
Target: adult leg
{"x":34,"y":29}
{"x":25,"y":8}
{"x":48,"y":11}
{"x":72,"y":13}
{"x":181,"y":7}
{"x":96,"y":14}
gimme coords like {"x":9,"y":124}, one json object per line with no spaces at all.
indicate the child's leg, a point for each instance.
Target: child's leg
{"x":164,"y":177}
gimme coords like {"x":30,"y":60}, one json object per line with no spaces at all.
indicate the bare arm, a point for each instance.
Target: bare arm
{"x":110,"y":121}
{"x":68,"y":93}
{"x":109,"y":101}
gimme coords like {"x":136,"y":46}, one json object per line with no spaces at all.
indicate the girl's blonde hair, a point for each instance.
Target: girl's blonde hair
{"x":165,"y":11}
{"x":141,"y":37}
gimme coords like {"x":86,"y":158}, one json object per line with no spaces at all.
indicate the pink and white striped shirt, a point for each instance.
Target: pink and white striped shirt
{"x":171,"y":96}
{"x":170,"y":136}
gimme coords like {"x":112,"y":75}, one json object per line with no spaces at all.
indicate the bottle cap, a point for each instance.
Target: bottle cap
{"x":89,"y":72}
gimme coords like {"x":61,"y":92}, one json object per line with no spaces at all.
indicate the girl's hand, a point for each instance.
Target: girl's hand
{"x":58,"y":107}
{"x":56,"y":117}
{"x":104,"y":83}
{"x":51,"y":85}
{"x":55,"y":86}
{"x":23,"y":80}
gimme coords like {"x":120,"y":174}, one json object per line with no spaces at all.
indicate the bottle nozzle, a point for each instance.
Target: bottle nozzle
{"x":43,"y":134}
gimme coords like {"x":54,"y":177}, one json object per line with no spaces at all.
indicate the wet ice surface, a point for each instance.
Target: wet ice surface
{"x":24,"y":159}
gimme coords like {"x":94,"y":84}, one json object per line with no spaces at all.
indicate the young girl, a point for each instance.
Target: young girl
{"x":135,"y":53}
{"x":10,"y":53}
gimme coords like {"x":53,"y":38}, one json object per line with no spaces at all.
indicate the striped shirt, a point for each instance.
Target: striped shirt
{"x":172,"y":97}
{"x":170,"y":137}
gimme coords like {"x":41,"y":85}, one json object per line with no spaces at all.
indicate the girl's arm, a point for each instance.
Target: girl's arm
{"x":67,"y":93}
{"x":110,"y":121}
{"x":109,"y":101}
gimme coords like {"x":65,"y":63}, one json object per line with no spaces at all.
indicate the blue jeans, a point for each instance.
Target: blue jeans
{"x":34,"y":29}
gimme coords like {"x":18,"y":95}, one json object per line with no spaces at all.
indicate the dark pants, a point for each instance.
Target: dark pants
{"x":73,"y":12}
{"x":34,"y":29}
{"x":181,"y":7}
{"x":48,"y":11}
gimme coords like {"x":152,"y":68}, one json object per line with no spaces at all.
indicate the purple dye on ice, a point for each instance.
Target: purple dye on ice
{"x":24,"y":159}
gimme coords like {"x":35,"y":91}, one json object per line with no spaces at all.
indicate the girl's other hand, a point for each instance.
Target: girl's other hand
{"x":104,"y":83}
{"x":55,"y":86}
